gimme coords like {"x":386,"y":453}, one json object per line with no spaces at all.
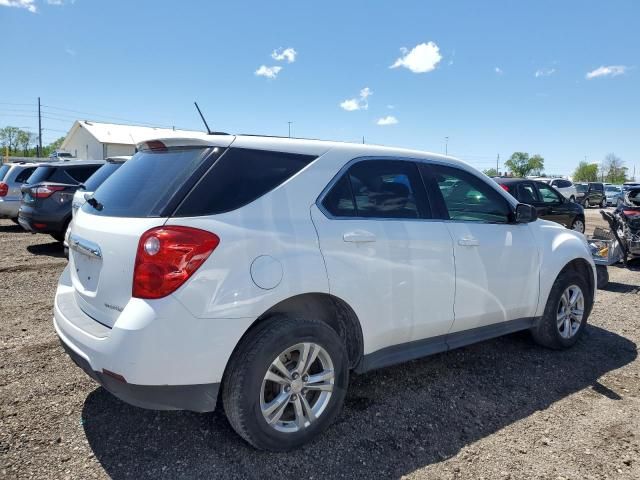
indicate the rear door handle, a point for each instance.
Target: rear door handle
{"x":359,"y":236}
{"x":468,"y":242}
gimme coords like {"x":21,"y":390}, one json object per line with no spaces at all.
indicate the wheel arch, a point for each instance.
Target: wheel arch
{"x":322,"y":307}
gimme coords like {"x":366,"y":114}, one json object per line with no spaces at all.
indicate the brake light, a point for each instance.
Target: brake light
{"x":4,"y":189}
{"x":46,"y":191}
{"x":504,"y":187}
{"x":167,"y":257}
{"x":155,"y":146}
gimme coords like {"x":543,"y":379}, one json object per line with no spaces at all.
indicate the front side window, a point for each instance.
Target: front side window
{"x":468,"y":198}
{"x":379,"y":189}
{"x":547,"y":194}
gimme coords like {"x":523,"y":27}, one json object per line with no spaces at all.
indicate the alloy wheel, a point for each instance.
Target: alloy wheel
{"x":297,"y":387}
{"x":578,"y":226}
{"x":570,"y":311}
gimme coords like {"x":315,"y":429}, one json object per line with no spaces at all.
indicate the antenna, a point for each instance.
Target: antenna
{"x":203,"y":120}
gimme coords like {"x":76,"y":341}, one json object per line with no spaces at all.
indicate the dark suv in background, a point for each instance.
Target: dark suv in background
{"x":550,"y":204}
{"x":591,"y":194}
{"x":47,"y":196}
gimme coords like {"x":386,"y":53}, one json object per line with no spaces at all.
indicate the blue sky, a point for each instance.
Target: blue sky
{"x":467,"y":71}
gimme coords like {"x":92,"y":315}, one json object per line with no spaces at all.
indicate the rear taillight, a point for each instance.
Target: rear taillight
{"x":504,"y":187}
{"x":46,"y":191}
{"x":4,"y":189}
{"x":167,"y":257}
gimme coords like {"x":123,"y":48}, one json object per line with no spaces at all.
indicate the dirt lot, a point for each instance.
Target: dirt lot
{"x":501,"y":409}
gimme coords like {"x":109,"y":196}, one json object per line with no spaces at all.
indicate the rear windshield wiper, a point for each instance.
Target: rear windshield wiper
{"x":95,"y":203}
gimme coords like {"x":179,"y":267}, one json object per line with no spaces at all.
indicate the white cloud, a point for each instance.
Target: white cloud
{"x":545,"y":72}
{"x":28,"y":4}
{"x":70,"y":51}
{"x":55,"y":2}
{"x":391,"y":107}
{"x":610,"y":71}
{"x":288,"y":54}
{"x":498,"y":70}
{"x":388,"y":120}
{"x":422,"y":58}
{"x":360,"y":103}
{"x":268,"y":72}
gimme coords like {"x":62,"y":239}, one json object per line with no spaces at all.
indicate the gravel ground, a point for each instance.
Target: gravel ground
{"x":500,"y":409}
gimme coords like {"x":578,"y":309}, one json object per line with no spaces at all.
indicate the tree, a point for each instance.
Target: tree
{"x":24,"y":139}
{"x":9,"y":137}
{"x":52,"y":147}
{"x":522,"y":165}
{"x":613,"y":169}
{"x":491,"y":172}
{"x":586,"y":172}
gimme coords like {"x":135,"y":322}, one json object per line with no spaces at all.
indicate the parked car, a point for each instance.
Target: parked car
{"x":614,"y":194}
{"x":60,"y":156}
{"x":46,"y":198}
{"x":12,"y":177}
{"x":591,"y":194}
{"x":264,"y":270}
{"x":86,"y":189}
{"x":550,"y":204}
{"x":562,"y":185}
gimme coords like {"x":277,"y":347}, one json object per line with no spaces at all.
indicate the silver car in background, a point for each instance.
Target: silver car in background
{"x":614,"y":194}
{"x":12,"y":177}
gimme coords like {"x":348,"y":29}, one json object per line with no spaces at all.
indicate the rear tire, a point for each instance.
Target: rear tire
{"x":555,"y":329}
{"x":603,"y":203}
{"x":59,"y":236}
{"x":15,"y":220}
{"x":578,"y":225}
{"x":603,"y":276}
{"x":281,"y":410}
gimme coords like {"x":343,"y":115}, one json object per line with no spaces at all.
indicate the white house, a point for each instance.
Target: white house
{"x":91,"y":140}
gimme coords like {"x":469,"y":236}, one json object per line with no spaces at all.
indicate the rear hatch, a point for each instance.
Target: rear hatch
{"x":140,"y":195}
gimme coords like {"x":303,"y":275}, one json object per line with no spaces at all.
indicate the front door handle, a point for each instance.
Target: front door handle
{"x":468,"y":242}
{"x":359,"y":236}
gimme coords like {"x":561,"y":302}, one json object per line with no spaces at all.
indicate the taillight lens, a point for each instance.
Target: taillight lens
{"x":167,"y":257}
{"x":4,"y":189}
{"x":46,"y":191}
{"x":504,"y":187}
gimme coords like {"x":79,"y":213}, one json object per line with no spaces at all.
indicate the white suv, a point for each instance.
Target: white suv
{"x":564,"y":186}
{"x":264,"y":270}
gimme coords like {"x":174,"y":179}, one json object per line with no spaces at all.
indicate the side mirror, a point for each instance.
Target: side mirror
{"x":526,"y":213}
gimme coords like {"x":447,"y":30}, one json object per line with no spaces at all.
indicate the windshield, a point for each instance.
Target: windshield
{"x":611,"y":188}
{"x":146,"y":184}
{"x":100,"y":176}
{"x":581,"y":187}
{"x":3,"y":170}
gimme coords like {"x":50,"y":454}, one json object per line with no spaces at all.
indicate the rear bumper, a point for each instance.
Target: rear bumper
{"x":196,"y":398}
{"x":31,"y":221}
{"x":9,"y":207}
{"x":156,"y":355}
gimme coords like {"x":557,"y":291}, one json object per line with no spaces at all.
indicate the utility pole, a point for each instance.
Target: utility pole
{"x":634,"y":171}
{"x":498,"y":165}
{"x":289,"y":128}
{"x":39,"y":130}
{"x":446,"y":145}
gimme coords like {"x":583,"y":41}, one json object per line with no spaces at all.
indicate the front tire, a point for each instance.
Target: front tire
{"x":285,"y":383}
{"x":578,"y":225}
{"x":566,"y":312}
{"x":603,"y":203}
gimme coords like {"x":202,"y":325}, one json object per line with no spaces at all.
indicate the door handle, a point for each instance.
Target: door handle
{"x":468,"y":242}
{"x":359,"y":236}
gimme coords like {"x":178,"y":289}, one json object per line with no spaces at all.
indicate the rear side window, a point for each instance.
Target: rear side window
{"x":527,"y":193}
{"x":379,"y":189}
{"x":147,"y":185}
{"x":238,"y":178}
{"x":24,"y":174}
{"x":3,"y":170}
{"x":100,"y":175}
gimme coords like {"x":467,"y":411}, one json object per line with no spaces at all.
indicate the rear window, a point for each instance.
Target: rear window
{"x":100,"y":176}
{"x":24,"y":175}
{"x":149,"y":184}
{"x":580,"y":187}
{"x":42,"y":174}
{"x":238,"y":178}
{"x":3,"y":170}
{"x":80,"y":174}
